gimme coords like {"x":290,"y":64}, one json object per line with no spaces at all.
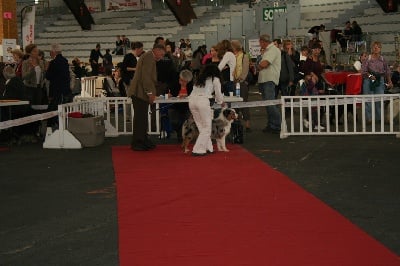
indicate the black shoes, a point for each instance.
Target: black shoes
{"x":140,"y":148}
{"x":198,"y":154}
{"x":146,"y":146}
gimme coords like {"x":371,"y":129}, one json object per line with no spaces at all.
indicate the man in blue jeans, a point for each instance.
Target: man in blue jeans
{"x":268,"y":77}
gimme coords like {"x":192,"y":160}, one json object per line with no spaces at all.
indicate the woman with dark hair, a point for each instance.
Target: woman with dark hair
{"x":207,"y":84}
{"x":213,"y":58}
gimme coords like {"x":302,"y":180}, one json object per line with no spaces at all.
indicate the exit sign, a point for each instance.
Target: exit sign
{"x":268,"y":13}
{"x":7,"y":15}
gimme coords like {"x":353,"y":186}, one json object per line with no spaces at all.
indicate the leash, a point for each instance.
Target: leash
{"x":214,"y":106}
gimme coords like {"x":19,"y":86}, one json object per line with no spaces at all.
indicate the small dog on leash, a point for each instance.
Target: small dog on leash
{"x":221,"y":126}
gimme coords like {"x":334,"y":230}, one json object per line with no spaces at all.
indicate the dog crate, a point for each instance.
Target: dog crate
{"x":90,"y":131}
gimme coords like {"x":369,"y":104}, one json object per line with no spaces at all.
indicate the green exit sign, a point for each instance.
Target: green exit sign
{"x":268,"y":12}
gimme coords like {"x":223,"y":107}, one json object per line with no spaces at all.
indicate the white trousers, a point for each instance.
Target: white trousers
{"x":202,"y":114}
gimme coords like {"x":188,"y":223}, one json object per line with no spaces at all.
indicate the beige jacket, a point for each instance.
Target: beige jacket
{"x":145,"y":79}
{"x":29,"y":74}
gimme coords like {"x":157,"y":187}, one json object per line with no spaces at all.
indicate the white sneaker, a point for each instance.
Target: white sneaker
{"x":306,"y":124}
{"x":319,"y":127}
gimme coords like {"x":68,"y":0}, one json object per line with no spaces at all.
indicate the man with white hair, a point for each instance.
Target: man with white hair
{"x":269,"y":70}
{"x":59,"y":77}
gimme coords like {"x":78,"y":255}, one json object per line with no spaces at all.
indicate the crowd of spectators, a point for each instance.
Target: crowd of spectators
{"x":41,"y":79}
{"x":43,"y":83}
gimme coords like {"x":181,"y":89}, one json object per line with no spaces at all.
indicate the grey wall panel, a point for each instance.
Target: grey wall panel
{"x":211,"y":39}
{"x":236,"y":27}
{"x":266,"y":27}
{"x":249,"y":21}
{"x":280,"y":24}
{"x":293,"y":18}
{"x":224,"y":32}
{"x":196,"y":44}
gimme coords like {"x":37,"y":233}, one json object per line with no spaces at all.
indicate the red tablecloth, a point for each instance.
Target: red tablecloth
{"x":352,"y":81}
{"x":353,"y":84}
{"x":337,"y":78}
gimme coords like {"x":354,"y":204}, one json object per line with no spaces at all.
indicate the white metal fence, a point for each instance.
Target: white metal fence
{"x":61,"y":137}
{"x":340,"y":115}
{"x":88,"y":86}
{"x":117,"y":113}
{"x":334,"y":115}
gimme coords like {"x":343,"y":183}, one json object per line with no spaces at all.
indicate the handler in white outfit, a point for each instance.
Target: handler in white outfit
{"x":208,"y":82}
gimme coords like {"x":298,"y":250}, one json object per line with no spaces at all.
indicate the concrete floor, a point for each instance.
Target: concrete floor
{"x":58,"y":207}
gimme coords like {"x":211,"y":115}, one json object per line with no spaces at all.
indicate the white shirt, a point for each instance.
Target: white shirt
{"x":38,"y":71}
{"x":272,"y":54}
{"x":303,"y":57}
{"x":228,"y":59}
{"x":357,"y":65}
{"x":211,"y":86}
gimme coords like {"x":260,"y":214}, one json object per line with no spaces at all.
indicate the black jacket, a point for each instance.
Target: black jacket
{"x":58,"y":75}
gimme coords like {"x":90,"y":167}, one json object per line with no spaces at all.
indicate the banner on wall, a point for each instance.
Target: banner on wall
{"x":114,"y":5}
{"x":254,"y":48}
{"x":93,"y":5}
{"x":28,"y":26}
{"x":7,"y":46}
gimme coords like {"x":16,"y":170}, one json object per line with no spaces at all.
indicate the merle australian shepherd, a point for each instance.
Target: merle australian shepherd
{"x":221,"y":126}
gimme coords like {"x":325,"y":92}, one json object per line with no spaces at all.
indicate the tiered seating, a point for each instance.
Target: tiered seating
{"x":209,"y":22}
{"x":322,"y":2}
{"x":332,"y":6}
{"x":333,"y":13}
{"x":381,"y":27}
{"x":322,"y":12}
{"x":79,"y":43}
{"x":146,"y":25}
{"x":142,"y":26}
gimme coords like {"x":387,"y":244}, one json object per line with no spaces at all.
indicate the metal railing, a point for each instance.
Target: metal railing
{"x":89,"y":86}
{"x":325,"y":115}
{"x":62,"y":138}
{"x":340,"y":115}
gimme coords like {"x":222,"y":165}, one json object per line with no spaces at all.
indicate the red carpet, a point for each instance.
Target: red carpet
{"x":228,"y":209}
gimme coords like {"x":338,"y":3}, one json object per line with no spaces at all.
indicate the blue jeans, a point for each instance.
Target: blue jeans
{"x":267,"y":90}
{"x":379,"y":89}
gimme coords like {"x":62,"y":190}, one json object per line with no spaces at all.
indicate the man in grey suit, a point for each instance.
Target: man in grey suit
{"x":143,"y":92}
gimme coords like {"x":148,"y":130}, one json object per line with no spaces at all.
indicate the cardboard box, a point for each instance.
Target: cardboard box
{"x":90,"y":131}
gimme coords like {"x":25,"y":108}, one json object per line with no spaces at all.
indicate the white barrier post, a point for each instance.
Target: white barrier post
{"x":61,"y":138}
{"x":88,"y":87}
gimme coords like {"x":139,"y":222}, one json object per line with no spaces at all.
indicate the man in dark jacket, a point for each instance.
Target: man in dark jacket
{"x":59,"y":77}
{"x":95,"y":55}
{"x":286,"y":76}
{"x":129,"y":63}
